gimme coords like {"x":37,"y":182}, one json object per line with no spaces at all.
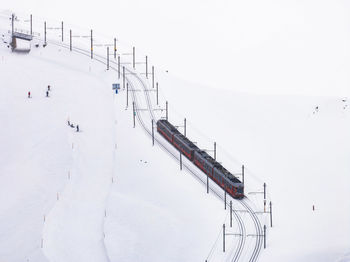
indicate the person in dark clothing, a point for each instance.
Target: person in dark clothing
{"x":29,"y":94}
{"x":48,"y":88}
{"x":68,"y":122}
{"x":47,"y":93}
{"x":77,"y":128}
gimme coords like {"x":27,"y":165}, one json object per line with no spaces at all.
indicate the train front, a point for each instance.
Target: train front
{"x":239,"y":190}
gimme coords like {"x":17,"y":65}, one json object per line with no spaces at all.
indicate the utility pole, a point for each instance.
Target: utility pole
{"x":152,"y":76}
{"x":62,"y":31}
{"x":157,"y":93}
{"x":225,"y":196}
{"x":13,"y":24}
{"x":264,"y":236}
{"x":215,"y":151}
{"x":146,"y":67}
{"x":223,"y":234}
{"x":243,"y":174}
{"x":45,"y":32}
{"x":115,"y":48}
{"x":185,"y":127}
{"x":230,"y":213}
{"x":207,"y":184}
{"x":123,"y":77}
{"x":133,"y":57}
{"x":166,"y":110}
{"x":153,"y":133}
{"x":91,"y":45}
{"x":270,"y":213}
{"x":180,"y":161}
{"x":107,"y":57}
{"x":118,"y":67}
{"x":133,"y":112}
{"x":264,"y":197}
{"x":70,"y":39}
{"x":127,"y":94}
{"x":31,"y":24}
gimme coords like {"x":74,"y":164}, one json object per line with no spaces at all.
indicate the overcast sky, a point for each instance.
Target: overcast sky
{"x":254,"y":46}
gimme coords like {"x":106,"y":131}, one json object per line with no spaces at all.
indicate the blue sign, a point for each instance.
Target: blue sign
{"x":116,"y":86}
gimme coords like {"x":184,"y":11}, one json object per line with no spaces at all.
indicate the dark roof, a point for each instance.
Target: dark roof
{"x":22,"y":36}
{"x":169,"y":126}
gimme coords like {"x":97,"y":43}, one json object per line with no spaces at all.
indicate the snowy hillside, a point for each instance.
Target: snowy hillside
{"x":106,"y":194}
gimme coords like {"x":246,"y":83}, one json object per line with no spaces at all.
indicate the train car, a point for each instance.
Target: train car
{"x":205,"y":162}
{"x":167,"y":130}
{"x":201,"y":159}
{"x":228,"y":181}
{"x":185,"y":146}
{"x":219,"y":174}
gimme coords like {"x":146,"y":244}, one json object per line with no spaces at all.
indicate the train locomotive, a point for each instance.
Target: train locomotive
{"x":201,"y":159}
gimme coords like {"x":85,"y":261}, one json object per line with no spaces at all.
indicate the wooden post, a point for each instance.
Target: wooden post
{"x":12,"y":24}
{"x":118,"y":67}
{"x":107,"y":57}
{"x":133,"y":112}
{"x":70,"y":39}
{"x":91,"y":45}
{"x":146,"y":67}
{"x":225,"y":195}
{"x":166,"y":110}
{"x":180,"y":161}
{"x":127,"y":94}
{"x":123,"y":77}
{"x":152,"y":76}
{"x":157,"y":93}
{"x":31,"y":24}
{"x":115,"y":48}
{"x":185,"y":127}
{"x":45,"y":32}
{"x":270,"y":213}
{"x":243,"y":174}
{"x":230,"y":213}
{"x":223,"y":234}
{"x":152,"y":132}
{"x":207,"y":184}
{"x":264,"y":236}
{"x":214,"y":150}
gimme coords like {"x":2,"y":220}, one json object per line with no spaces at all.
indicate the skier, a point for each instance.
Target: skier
{"x":47,"y":93}
{"x":48,"y":88}
{"x":29,"y":94}
{"x":77,"y":128}
{"x":68,"y":122}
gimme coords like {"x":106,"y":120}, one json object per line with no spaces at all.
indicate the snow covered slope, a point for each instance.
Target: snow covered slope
{"x":55,"y":182}
{"x":300,"y":152}
{"x":106,"y":194}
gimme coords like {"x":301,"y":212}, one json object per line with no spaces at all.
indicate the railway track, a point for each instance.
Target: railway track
{"x":190,"y":168}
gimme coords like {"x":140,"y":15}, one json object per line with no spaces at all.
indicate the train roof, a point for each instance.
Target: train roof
{"x":207,"y":157}
{"x":227,"y":174}
{"x":168,"y":125}
{"x":187,"y":141}
{"x":204,"y":154}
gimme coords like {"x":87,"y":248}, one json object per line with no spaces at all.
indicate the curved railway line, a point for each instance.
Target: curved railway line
{"x":190,"y":168}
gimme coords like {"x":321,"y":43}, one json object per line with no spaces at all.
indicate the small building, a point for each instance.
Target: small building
{"x":21,"y":42}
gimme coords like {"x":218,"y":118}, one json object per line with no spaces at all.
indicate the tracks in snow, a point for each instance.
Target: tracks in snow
{"x":188,"y":166}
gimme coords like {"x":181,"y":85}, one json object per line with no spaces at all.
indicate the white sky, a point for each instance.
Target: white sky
{"x":255,"y":46}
